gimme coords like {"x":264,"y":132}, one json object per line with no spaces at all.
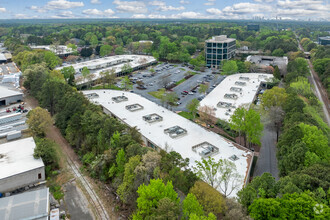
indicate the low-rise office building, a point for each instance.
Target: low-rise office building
{"x":161,"y":128}
{"x":219,"y":48}
{"x":18,"y":167}
{"x":235,"y":91}
{"x":111,"y":63}
{"x":324,"y":40}
{"x":28,"y":205}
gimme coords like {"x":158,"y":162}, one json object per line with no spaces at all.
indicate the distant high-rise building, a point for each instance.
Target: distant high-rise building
{"x":253,"y":27}
{"x":219,"y":48}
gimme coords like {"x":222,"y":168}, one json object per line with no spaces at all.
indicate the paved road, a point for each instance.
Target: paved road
{"x":76,"y":204}
{"x":267,"y":161}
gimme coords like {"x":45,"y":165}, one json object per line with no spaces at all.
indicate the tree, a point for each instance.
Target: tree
{"x":302,"y":86}
{"x":119,"y":50}
{"x":85,"y":73}
{"x":45,"y":149}
{"x":126,"y":68}
{"x":166,"y":209}
{"x":207,"y":114}
{"x":150,"y":196}
{"x":105,"y":50}
{"x":229,"y":67}
{"x":126,"y":84}
{"x":118,"y":168}
{"x":86,"y":52}
{"x":277,"y":73}
{"x":253,"y":127}
{"x":273,"y":97}
{"x":51,"y":59}
{"x":276,"y":115}
{"x":193,"y":107}
{"x":278,"y":52}
{"x":127,"y":190}
{"x":266,"y":209}
{"x":207,"y":170}
{"x":68,"y":73}
{"x":208,"y":197}
{"x":237,"y":122}
{"x":190,"y":205}
{"x":203,"y":88}
{"x":39,"y":120}
{"x":229,"y":179}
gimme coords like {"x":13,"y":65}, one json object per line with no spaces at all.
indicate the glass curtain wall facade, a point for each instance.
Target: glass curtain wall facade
{"x":218,"y":49}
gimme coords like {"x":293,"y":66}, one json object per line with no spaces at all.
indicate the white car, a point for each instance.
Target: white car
{"x":191,"y":93}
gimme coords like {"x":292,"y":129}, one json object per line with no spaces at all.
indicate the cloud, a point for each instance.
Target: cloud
{"x":209,"y":2}
{"x":170,"y":8}
{"x":139,"y":16}
{"x":62,"y":4}
{"x":189,"y":15}
{"x":22,"y":16}
{"x":184,"y":2}
{"x":260,"y":1}
{"x":95,"y":1}
{"x":2,"y":9}
{"x":131,"y":6}
{"x":95,"y":12}
{"x":64,"y":14}
{"x":214,"y":11}
{"x":246,"y":8}
{"x":38,"y":9}
{"x":157,"y":3}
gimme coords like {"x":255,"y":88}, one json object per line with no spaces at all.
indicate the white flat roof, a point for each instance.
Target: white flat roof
{"x":154,"y":132}
{"x":17,"y":157}
{"x":61,"y":49}
{"x":6,"y":92}
{"x":245,"y":97}
{"x":134,"y":61}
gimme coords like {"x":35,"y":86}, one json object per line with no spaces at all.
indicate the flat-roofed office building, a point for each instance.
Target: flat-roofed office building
{"x":219,"y":48}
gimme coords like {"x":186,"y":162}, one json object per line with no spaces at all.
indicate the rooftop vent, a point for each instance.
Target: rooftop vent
{"x":175,"y":131}
{"x":205,"y":149}
{"x":152,"y":118}
{"x":239,"y":83}
{"x":225,"y":105}
{"x":234,"y":157}
{"x":231,"y":96}
{"x":244,"y":78}
{"x":119,"y":98}
{"x":92,"y":96}
{"x":134,"y":107}
{"x":236,"y":89}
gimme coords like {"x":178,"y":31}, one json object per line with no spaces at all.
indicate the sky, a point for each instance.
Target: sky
{"x":166,"y":9}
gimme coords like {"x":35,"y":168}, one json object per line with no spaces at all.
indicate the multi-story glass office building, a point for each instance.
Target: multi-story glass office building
{"x":219,"y":48}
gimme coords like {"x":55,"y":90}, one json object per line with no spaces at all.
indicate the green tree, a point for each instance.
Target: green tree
{"x":85,"y":73}
{"x":105,"y":50}
{"x":277,"y":73}
{"x":229,"y":179}
{"x":45,"y":149}
{"x":68,"y":73}
{"x":237,"y":122}
{"x":203,"y":88}
{"x":229,"y":67}
{"x":302,"y":86}
{"x":193,"y":107}
{"x":207,"y":170}
{"x":278,"y":52}
{"x":190,"y":205}
{"x":118,"y":168}
{"x":126,"y":83}
{"x":127,"y":190}
{"x":150,"y":196}
{"x":39,"y":120}
{"x":253,"y":127}
{"x":119,"y":50}
{"x":266,"y":209}
{"x":51,"y":59}
{"x":274,"y":97}
{"x":208,"y":197}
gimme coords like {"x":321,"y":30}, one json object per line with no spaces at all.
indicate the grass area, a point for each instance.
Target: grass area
{"x":182,"y":69}
{"x":186,"y":115}
{"x":180,"y":81}
{"x":175,"y":65}
{"x":192,"y":73}
{"x":106,"y":87}
{"x":157,"y":94}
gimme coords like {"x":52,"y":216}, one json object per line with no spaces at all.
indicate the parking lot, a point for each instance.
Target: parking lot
{"x":169,"y":73}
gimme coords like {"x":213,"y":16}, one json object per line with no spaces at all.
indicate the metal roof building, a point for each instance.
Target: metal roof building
{"x":29,"y":205}
{"x":8,"y":96}
{"x":18,"y":167}
{"x":164,"y":129}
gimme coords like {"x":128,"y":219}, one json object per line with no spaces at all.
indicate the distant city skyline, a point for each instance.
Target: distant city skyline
{"x":169,"y":9}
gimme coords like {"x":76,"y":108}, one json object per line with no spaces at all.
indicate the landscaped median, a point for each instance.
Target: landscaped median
{"x":157,"y":94}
